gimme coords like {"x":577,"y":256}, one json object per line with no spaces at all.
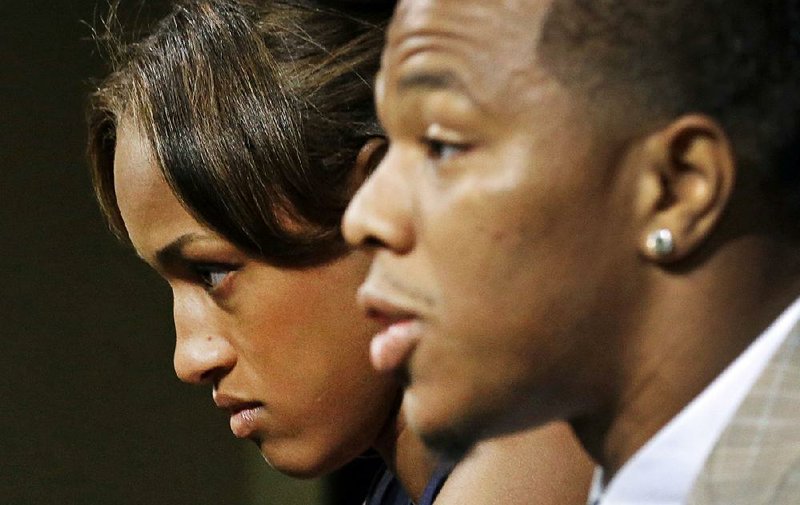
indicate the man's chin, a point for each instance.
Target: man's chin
{"x":450,"y":430}
{"x":449,"y":444}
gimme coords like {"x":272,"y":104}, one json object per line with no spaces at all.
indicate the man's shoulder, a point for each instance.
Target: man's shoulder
{"x":757,"y":459}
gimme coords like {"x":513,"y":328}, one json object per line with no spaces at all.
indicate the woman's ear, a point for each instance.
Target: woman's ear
{"x":690,"y":174}
{"x":370,"y":154}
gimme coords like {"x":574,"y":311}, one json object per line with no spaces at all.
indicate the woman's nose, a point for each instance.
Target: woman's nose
{"x":203,"y":354}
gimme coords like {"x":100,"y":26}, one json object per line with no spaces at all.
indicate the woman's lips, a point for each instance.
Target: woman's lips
{"x":244,"y":414}
{"x":243,"y":422}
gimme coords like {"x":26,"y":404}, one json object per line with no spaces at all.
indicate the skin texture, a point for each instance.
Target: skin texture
{"x":293,"y":341}
{"x":481,"y":224}
{"x":542,"y":466}
{"x":509,"y":236}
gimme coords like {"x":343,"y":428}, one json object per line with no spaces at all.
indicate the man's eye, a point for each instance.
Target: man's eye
{"x":439,"y":150}
{"x":212,"y":275}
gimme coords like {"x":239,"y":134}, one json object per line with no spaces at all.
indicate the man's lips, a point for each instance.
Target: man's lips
{"x":244,"y":414}
{"x":392,"y":347}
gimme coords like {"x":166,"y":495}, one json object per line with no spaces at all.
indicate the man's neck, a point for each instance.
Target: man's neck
{"x":693,"y":325}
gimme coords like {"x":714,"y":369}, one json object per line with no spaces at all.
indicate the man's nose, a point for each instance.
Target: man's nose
{"x":380,"y":214}
{"x":202,"y":352}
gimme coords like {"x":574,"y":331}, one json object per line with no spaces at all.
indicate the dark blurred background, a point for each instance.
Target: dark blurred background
{"x":90,"y":412}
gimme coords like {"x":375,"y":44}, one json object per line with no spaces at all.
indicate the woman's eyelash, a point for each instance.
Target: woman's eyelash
{"x":211,"y":275}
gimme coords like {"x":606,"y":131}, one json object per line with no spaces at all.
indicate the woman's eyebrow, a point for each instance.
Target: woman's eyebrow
{"x":173,"y":252}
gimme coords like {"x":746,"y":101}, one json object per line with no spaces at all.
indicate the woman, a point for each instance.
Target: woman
{"x":224,"y":149}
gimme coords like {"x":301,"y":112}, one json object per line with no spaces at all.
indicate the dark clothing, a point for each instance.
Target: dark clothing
{"x":387,"y":490}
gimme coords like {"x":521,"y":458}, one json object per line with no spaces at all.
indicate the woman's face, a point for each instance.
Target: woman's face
{"x":286,"y":351}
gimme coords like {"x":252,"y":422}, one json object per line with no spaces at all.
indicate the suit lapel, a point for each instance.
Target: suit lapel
{"x":757,"y":458}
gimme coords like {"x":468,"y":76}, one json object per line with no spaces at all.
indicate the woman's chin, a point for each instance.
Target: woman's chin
{"x":297,"y":467}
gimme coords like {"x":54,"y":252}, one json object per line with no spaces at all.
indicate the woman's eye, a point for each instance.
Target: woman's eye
{"x":212,"y":275}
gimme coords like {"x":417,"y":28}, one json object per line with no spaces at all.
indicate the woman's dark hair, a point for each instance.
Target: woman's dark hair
{"x":255,"y":112}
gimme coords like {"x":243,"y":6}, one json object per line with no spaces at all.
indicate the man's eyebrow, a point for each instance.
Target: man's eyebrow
{"x":441,"y":80}
{"x":431,"y":80}
{"x":173,"y":251}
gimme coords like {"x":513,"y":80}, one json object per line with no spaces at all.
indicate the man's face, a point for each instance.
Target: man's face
{"x":499,"y":222}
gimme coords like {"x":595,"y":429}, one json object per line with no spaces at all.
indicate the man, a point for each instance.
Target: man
{"x":588,"y":211}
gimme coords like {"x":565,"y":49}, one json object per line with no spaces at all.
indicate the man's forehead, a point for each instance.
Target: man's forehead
{"x":486,"y":33}
{"x":463,"y":16}
{"x":490,"y":44}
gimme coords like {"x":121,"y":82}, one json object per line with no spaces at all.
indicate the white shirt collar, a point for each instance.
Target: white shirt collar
{"x":663,"y":470}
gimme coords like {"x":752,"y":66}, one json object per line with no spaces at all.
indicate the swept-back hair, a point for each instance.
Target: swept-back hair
{"x":255,"y":112}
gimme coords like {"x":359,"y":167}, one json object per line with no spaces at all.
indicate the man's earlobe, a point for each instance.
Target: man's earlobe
{"x":369,"y":156}
{"x":689,"y":184}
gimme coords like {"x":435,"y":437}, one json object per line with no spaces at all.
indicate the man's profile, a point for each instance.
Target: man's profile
{"x":588,"y":212}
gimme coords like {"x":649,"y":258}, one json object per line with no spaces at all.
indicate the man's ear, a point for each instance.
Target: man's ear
{"x":370,"y":154}
{"x":686,"y":183}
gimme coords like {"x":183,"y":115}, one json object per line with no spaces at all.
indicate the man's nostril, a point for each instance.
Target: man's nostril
{"x":371,"y":241}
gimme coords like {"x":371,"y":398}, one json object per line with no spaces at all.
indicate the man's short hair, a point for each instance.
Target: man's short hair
{"x":647,"y":61}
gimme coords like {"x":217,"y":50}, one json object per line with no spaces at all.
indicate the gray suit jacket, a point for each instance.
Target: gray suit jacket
{"x":757,"y":459}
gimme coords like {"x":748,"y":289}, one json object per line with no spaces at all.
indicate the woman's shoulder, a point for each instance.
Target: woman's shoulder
{"x":435,"y":483}
{"x":387,"y":489}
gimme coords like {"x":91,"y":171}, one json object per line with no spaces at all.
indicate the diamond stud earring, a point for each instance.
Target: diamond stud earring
{"x":660,"y":243}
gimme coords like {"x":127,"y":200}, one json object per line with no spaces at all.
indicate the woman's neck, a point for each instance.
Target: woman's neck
{"x":406,"y":456}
